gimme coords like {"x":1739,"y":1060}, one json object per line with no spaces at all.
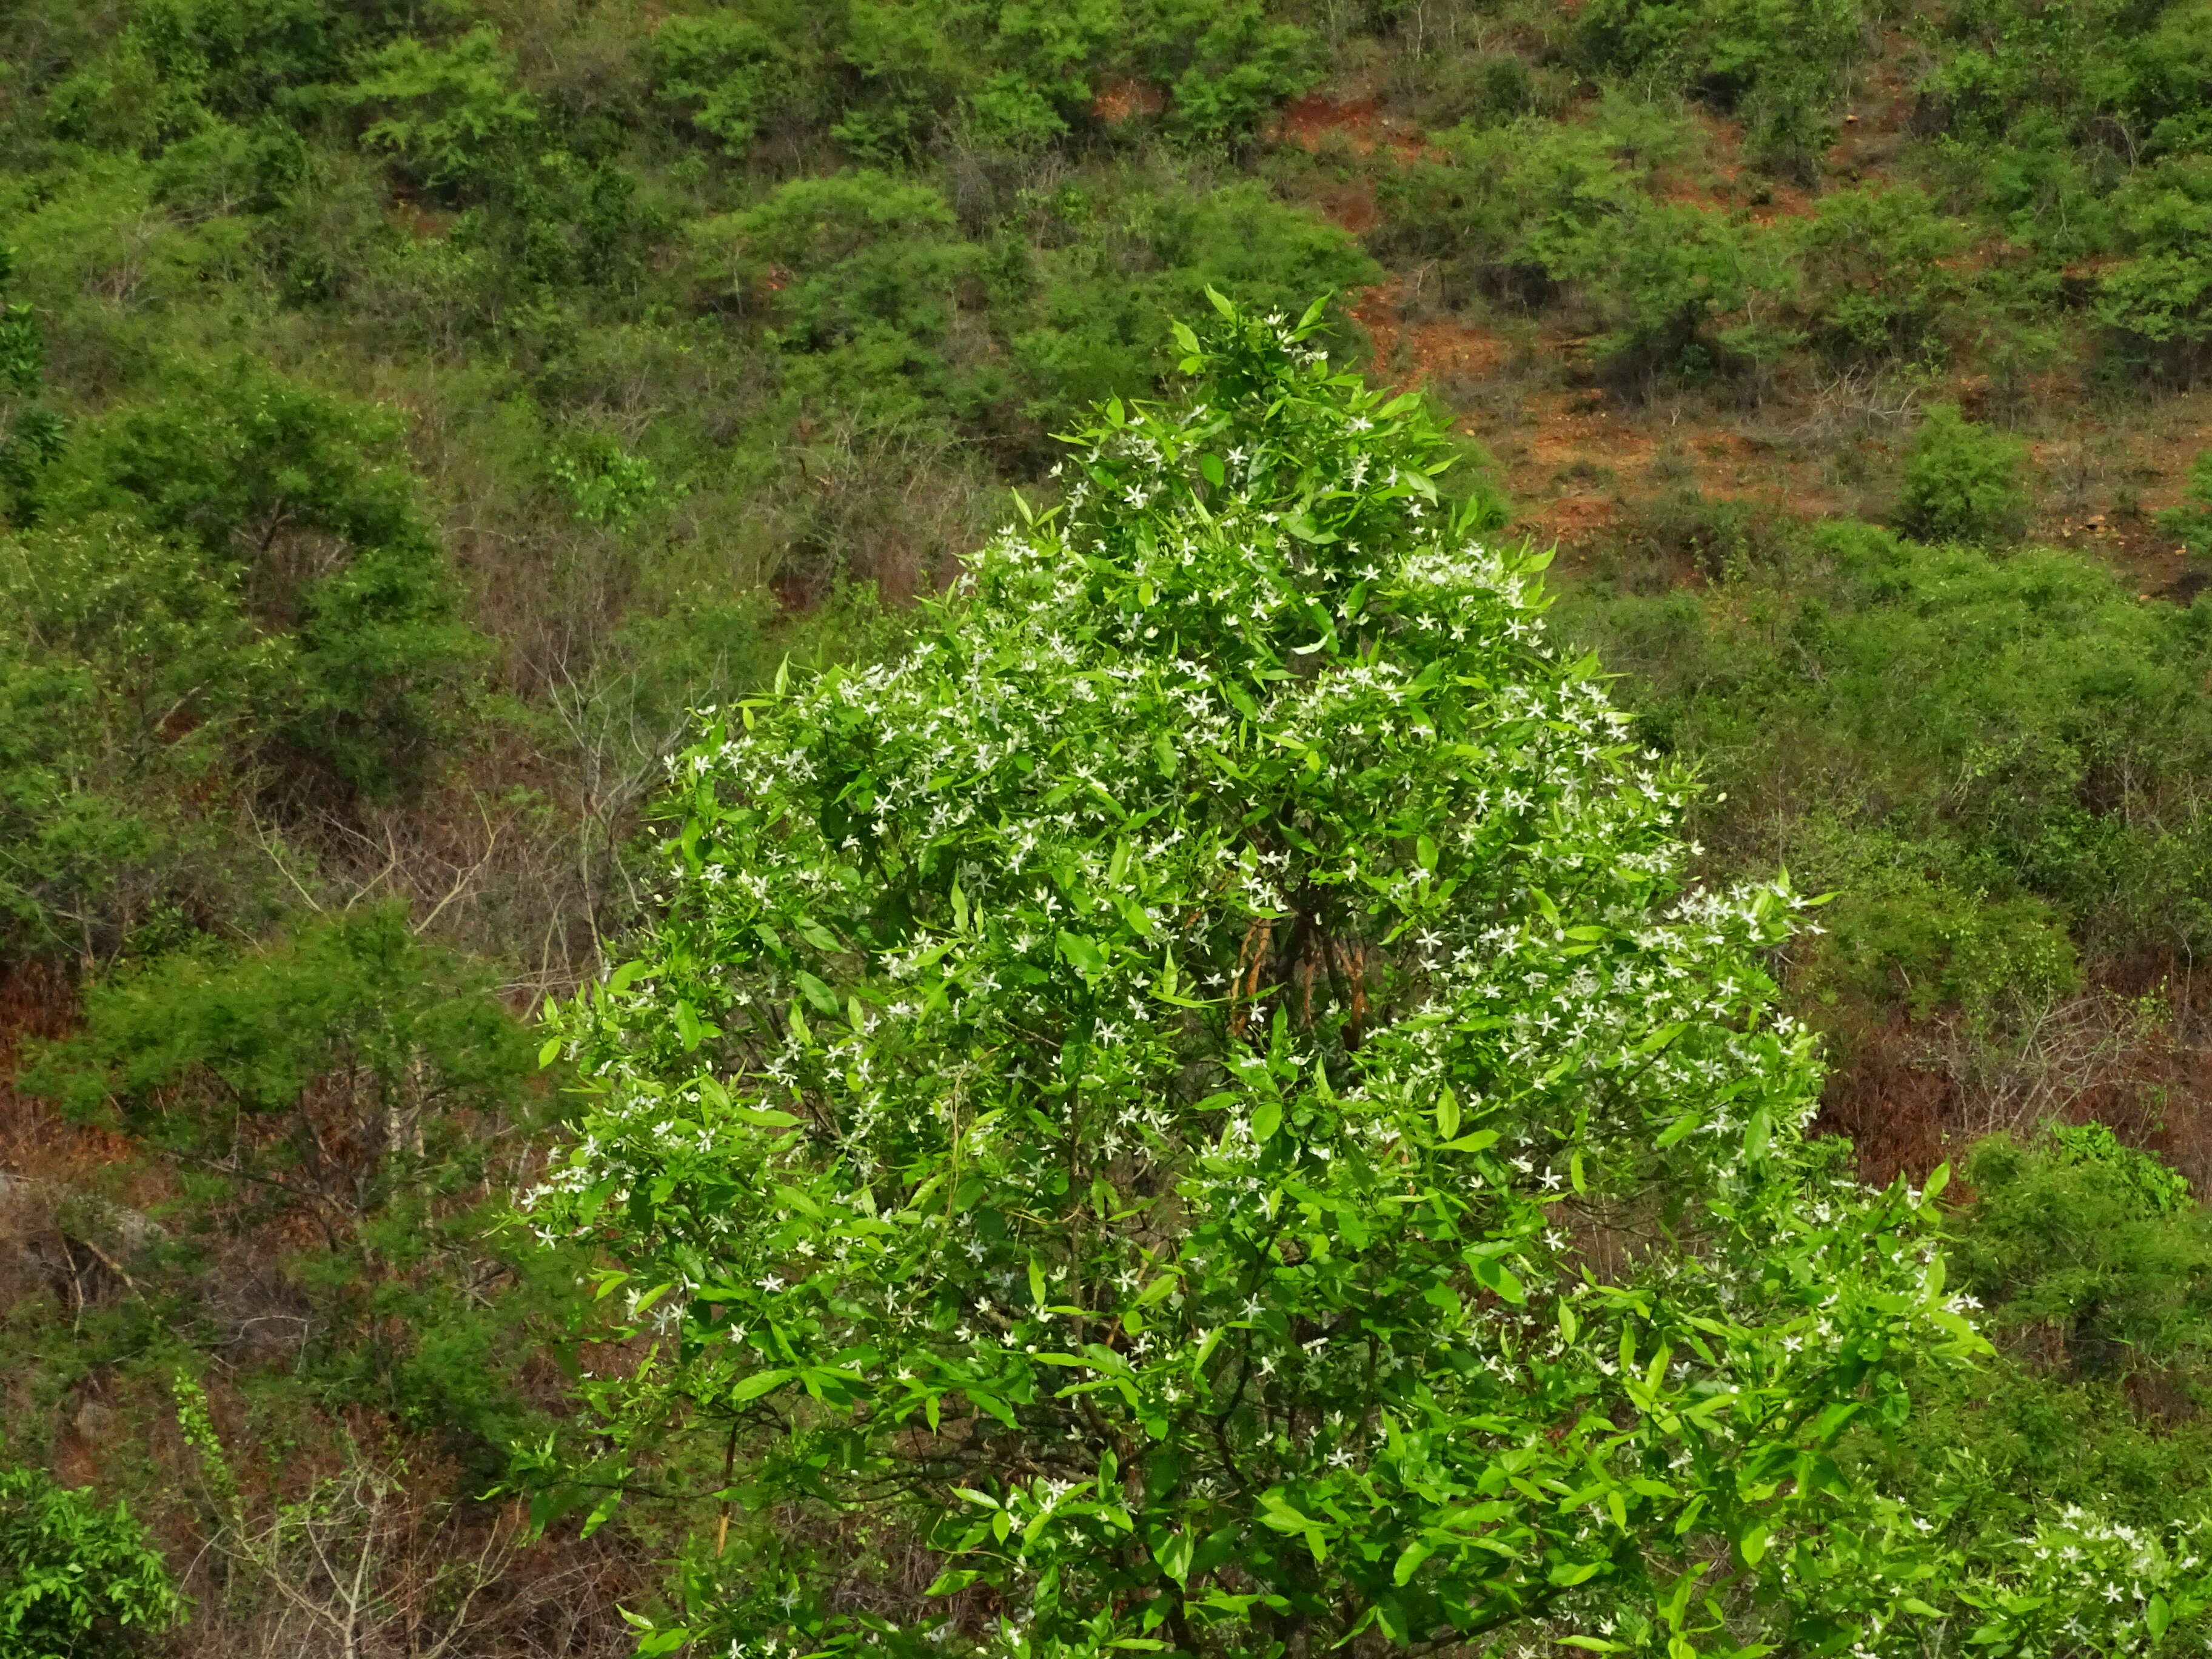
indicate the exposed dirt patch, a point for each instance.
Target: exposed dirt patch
{"x":1581,"y":429}
{"x":418,"y":224}
{"x":1350,"y":206}
{"x":1718,"y":181}
{"x":1359,"y":122}
{"x":1573,"y":520}
{"x":1123,"y":99}
{"x":1422,"y":354}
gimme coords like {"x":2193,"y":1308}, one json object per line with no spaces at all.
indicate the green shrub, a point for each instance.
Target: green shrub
{"x":78,"y":1580}
{"x":453,"y":115}
{"x":859,"y":255}
{"x":2159,"y":299}
{"x":1780,"y":64}
{"x":31,"y":433}
{"x":2152,"y":1185}
{"x":2094,"y":1242}
{"x":308,"y":499}
{"x":959,"y":1093}
{"x":1962,"y":484}
{"x":1877,"y":284}
{"x":1227,"y":68}
{"x":1094,"y":320}
{"x":605,"y":484}
{"x":136,"y":696}
{"x":2191,"y":521}
{"x":322,"y":1074}
{"x":1536,"y":212}
{"x":1940,"y":736}
{"x":1934,"y":951}
{"x":725,"y":74}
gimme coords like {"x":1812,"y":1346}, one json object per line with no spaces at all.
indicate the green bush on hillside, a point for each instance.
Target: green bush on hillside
{"x":305,"y":501}
{"x":78,"y":1580}
{"x":450,"y":115}
{"x":136,"y":693}
{"x":2192,"y":521}
{"x":1988,"y":760}
{"x":2094,"y":1243}
{"x":322,"y":1074}
{"x":1962,"y":482}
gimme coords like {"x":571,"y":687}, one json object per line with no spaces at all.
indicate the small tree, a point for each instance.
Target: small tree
{"x":1204,"y":1089}
{"x":1962,"y":482}
{"x":326,"y":1074}
{"x":77,"y":1578}
{"x":304,"y":497}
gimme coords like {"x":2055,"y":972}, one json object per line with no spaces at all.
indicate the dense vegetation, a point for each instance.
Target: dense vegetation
{"x":411,"y":410}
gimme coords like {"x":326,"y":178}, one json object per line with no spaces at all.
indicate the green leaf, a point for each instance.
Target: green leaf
{"x":1493,"y":1276}
{"x":791,"y":1197}
{"x":984,"y":1400}
{"x":1410,"y":1559}
{"x":1081,"y":954}
{"x":1174,"y":1557}
{"x":760,"y":1382}
{"x":1479,"y":1140}
{"x":764,"y":1116}
{"x":1266,"y":1118}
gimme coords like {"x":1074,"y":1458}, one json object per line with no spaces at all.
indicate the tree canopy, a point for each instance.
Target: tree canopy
{"x":1209,"y":1075}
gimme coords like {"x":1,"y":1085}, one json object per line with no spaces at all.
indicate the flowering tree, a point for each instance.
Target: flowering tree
{"x":1204,"y":1091}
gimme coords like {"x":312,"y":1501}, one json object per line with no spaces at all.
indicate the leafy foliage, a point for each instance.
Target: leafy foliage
{"x":1938,"y":738}
{"x":452,"y":114}
{"x":78,"y":1580}
{"x":1781,"y":64}
{"x":130,"y":681}
{"x":726,"y":74}
{"x":1962,"y":482}
{"x":319,"y":1070}
{"x":1212,"y":1167}
{"x":2192,"y":520}
{"x":2095,"y":1241}
{"x":299,"y":493}
{"x":33,"y":434}
{"x":1877,"y":265}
